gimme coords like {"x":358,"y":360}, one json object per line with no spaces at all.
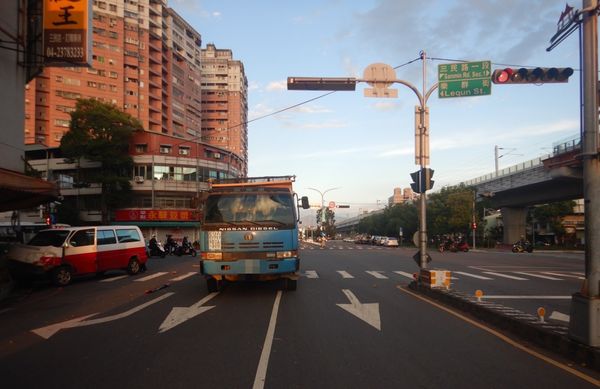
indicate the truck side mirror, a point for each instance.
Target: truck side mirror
{"x":305,"y":204}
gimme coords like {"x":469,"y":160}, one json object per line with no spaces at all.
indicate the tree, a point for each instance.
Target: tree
{"x":552,"y":215}
{"x":328,"y":225}
{"x":450,"y":210}
{"x":100,"y":132}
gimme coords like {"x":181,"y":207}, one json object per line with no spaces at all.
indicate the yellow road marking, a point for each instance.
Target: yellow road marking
{"x":506,"y":339}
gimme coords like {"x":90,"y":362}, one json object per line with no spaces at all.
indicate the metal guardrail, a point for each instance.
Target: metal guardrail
{"x":564,"y":147}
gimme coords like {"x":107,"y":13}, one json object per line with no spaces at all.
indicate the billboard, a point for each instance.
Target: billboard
{"x":67,"y":32}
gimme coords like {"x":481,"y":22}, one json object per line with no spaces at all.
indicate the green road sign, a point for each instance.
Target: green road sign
{"x":465,"y":79}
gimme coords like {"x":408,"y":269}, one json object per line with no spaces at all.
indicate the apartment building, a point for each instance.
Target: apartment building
{"x":401,"y":196}
{"x":147,"y":60}
{"x":225,"y":102}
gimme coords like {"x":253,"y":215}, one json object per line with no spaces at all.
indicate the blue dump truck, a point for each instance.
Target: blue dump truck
{"x":250,"y":231}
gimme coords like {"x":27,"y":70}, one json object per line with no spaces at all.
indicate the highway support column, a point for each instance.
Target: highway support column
{"x":514,"y":223}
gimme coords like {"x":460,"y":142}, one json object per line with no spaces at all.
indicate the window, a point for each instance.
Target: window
{"x":82,"y":238}
{"x":184,"y":151}
{"x":141,"y":148}
{"x":165,"y":149}
{"x":106,"y":237}
{"x":128,"y":235}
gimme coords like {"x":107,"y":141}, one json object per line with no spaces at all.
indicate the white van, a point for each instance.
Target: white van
{"x":67,"y":252}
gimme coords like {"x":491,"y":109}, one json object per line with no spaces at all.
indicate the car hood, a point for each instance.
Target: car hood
{"x":31,"y":254}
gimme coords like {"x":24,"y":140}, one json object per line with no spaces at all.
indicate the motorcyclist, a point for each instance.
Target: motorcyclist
{"x":185,"y":243}
{"x":171,"y":245}
{"x":152,"y":243}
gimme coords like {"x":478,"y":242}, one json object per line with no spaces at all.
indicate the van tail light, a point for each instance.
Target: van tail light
{"x":47,"y":262}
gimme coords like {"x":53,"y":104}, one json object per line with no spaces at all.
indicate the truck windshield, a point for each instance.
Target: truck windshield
{"x":274,"y":208}
{"x":49,"y":238}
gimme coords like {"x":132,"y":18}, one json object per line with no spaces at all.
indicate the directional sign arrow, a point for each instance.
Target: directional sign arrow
{"x":48,"y":331}
{"x":368,"y":313}
{"x":179,"y":315}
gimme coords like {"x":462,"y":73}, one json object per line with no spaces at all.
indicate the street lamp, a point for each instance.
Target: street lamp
{"x":380,"y":76}
{"x":323,"y":194}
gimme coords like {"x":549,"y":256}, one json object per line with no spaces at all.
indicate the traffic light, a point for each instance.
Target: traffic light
{"x":531,"y":76}
{"x":422,"y":180}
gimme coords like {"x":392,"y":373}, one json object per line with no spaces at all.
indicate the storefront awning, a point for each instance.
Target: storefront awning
{"x":18,"y":191}
{"x":172,"y":224}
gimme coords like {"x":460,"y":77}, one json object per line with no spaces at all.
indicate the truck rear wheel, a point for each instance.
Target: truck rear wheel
{"x":290,"y":284}
{"x":213,"y":285}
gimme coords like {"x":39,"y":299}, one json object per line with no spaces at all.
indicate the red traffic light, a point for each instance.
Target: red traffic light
{"x":531,"y":76}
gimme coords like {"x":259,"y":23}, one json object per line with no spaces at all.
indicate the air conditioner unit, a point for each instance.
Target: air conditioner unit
{"x":138,"y":179}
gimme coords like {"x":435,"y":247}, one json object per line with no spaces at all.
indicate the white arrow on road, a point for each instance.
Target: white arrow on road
{"x":179,"y":315}
{"x":368,"y":313}
{"x":48,"y":331}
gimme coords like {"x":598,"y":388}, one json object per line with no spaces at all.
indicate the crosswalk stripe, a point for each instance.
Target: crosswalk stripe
{"x":563,"y":275}
{"x":183,"y":276}
{"x":151,"y":276}
{"x":405,"y":274}
{"x":472,"y":275}
{"x":538,"y":276}
{"x":311,"y":274}
{"x":345,"y":274}
{"x":114,"y":278}
{"x":376,"y":274}
{"x":506,"y":276}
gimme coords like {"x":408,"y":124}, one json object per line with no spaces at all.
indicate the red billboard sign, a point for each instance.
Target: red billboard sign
{"x":156,"y":215}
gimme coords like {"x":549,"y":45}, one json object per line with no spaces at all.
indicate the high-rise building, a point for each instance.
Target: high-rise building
{"x":147,"y":60}
{"x":401,"y":196}
{"x":225,"y":102}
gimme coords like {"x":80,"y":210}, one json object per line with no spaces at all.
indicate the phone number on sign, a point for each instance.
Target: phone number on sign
{"x":64,"y":52}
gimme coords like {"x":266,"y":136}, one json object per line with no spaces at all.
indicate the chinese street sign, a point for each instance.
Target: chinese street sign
{"x":465,"y":79}
{"x":67,"y":32}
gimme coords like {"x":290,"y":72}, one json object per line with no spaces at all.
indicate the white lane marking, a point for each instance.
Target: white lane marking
{"x":345,"y":274}
{"x":563,"y":275}
{"x":48,"y":331}
{"x":537,"y":275}
{"x":311,"y":274}
{"x":533,"y":297}
{"x":184,"y":276}
{"x":180,"y":315}
{"x":505,"y":276}
{"x":151,"y":276}
{"x":560,"y":316}
{"x":368,"y":312}
{"x":111,"y":279}
{"x":263,"y":363}
{"x":472,"y":275}
{"x":405,"y":274}
{"x":376,"y":274}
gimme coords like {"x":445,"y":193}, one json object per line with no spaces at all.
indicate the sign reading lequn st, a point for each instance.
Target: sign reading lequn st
{"x":464,"y":79}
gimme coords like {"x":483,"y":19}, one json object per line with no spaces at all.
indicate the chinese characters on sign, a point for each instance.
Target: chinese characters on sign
{"x":465,"y":79}
{"x":67,"y":32}
{"x":156,"y":215}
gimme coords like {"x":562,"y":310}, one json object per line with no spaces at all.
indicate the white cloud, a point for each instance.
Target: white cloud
{"x":311,"y":109}
{"x":253,"y":85}
{"x":387,"y":106}
{"x":277,"y":86}
{"x":397,"y":152}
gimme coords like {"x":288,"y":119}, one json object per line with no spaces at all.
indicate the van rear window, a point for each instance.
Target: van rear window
{"x":128,"y":235}
{"x":49,"y":238}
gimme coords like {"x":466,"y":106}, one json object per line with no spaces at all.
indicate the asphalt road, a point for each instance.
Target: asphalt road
{"x":351,"y":323}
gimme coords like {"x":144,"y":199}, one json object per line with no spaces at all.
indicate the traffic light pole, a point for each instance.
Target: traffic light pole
{"x":585,"y":306}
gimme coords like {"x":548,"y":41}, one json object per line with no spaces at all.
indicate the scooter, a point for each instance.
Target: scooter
{"x":462,"y":246}
{"x":158,"y":250}
{"x":521,"y":247}
{"x":185,"y":249}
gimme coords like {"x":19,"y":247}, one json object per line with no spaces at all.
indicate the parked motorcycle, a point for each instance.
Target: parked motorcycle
{"x":453,"y":246}
{"x":171,"y":245}
{"x":157,"y":250}
{"x":462,"y":246}
{"x":185,"y":249}
{"x":521,"y":247}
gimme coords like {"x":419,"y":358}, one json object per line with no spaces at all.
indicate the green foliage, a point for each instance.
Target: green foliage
{"x":451,"y":210}
{"x":552,"y":215}
{"x":328,"y":225}
{"x":100,"y":132}
{"x":389,"y":222}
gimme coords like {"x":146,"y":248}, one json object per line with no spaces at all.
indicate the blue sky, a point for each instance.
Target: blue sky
{"x":365,"y":146}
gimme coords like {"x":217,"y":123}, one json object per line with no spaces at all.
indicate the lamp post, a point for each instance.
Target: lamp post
{"x":323,"y":199}
{"x":380,"y":77}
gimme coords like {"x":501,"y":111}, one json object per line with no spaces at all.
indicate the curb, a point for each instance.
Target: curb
{"x":553,"y":337}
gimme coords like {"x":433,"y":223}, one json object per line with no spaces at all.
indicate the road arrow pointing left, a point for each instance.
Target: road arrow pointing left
{"x":368,"y":313}
{"x":48,"y":331}
{"x":179,"y":315}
